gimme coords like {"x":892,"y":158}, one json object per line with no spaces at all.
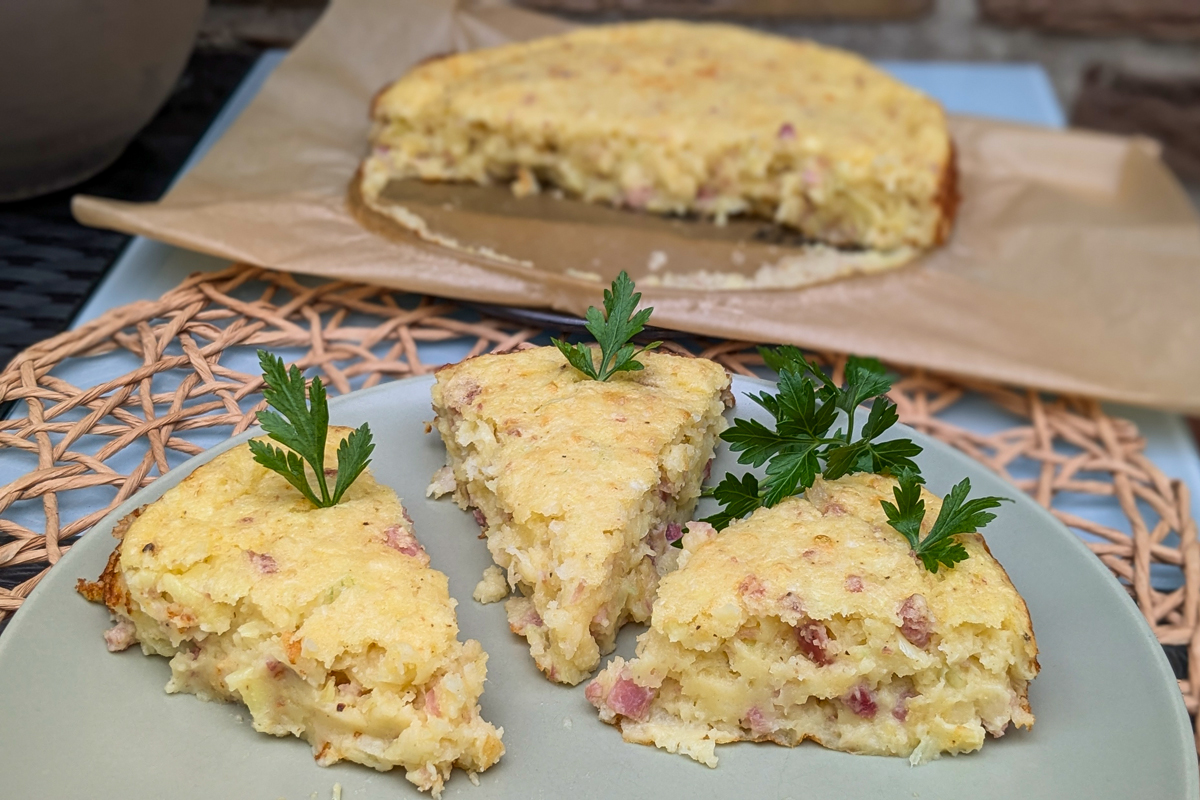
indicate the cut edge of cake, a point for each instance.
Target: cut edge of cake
{"x":528,"y":168}
{"x":568,"y":631}
{"x":427,"y":723}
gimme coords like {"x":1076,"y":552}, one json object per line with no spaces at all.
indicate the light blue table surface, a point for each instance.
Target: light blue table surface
{"x":1019,"y":92}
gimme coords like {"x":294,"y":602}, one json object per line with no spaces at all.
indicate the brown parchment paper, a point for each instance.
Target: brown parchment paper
{"x":1074,"y":265}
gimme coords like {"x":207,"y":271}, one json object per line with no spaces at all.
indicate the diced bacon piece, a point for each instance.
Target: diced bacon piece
{"x":861,"y":700}
{"x":854,"y":583}
{"x":263,"y":563}
{"x":813,"y":641}
{"x":120,"y":636}
{"x":674,"y":532}
{"x":639,"y":197}
{"x":431,"y":702}
{"x":275,"y":668}
{"x":629,"y":698}
{"x":995,"y":731}
{"x":594,"y":693}
{"x":398,"y":538}
{"x":787,"y":131}
{"x":600,"y":619}
{"x":900,"y":710}
{"x":758,"y":722}
{"x":181,"y":618}
{"x":697,"y":534}
{"x":462,"y":393}
{"x":656,"y":539}
{"x":708,"y":469}
{"x":524,"y":618}
{"x":751,"y":587}
{"x":915,"y":622}
{"x":480,"y":519}
{"x":792,"y":604}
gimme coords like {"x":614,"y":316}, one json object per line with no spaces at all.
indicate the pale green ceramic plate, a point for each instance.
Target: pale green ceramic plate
{"x":78,"y":722}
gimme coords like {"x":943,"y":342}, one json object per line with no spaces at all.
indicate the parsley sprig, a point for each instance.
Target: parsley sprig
{"x":804,"y":443}
{"x":304,"y":431}
{"x":613,"y":329}
{"x":958,"y":515}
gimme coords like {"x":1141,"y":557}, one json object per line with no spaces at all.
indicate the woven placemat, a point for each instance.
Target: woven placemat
{"x":171,"y":383}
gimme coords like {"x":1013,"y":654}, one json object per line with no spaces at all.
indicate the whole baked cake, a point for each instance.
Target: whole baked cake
{"x":579,"y":485}
{"x":681,"y":118}
{"x":327,"y":623}
{"x":813,"y":620}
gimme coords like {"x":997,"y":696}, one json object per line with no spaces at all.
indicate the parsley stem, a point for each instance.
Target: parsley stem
{"x":319,"y":471}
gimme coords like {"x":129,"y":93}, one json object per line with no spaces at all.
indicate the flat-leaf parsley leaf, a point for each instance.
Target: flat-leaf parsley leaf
{"x":803,"y":444}
{"x":940,"y":547}
{"x":303,"y":430}
{"x":613,"y":329}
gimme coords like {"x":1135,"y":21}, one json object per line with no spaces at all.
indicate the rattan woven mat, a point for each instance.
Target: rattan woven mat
{"x":172,"y":386}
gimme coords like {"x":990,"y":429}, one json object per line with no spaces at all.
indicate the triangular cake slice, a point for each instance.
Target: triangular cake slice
{"x":579,"y":484}
{"x":327,"y":623}
{"x":812,"y":620}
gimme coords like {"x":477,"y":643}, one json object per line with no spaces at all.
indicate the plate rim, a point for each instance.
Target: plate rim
{"x":1134,"y":616}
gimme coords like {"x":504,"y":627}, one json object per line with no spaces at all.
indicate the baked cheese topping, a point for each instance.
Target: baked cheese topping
{"x":579,"y":484}
{"x":680,"y":118}
{"x":327,"y":623}
{"x":812,"y":620}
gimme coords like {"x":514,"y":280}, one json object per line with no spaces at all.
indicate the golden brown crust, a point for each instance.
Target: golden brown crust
{"x":948,"y":197}
{"x":122,"y":526}
{"x":109,"y":588}
{"x":1024,"y":610}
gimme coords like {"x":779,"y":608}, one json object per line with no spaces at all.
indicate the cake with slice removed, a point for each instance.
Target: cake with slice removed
{"x":327,"y":623}
{"x":579,"y":484}
{"x":679,"y":118}
{"x":813,"y":620}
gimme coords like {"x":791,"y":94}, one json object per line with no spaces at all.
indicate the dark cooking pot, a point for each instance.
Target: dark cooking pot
{"x":78,"y":79}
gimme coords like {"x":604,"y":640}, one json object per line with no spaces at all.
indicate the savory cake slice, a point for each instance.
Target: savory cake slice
{"x":812,"y":620}
{"x":327,"y":623}
{"x":680,"y":118}
{"x":579,"y":484}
